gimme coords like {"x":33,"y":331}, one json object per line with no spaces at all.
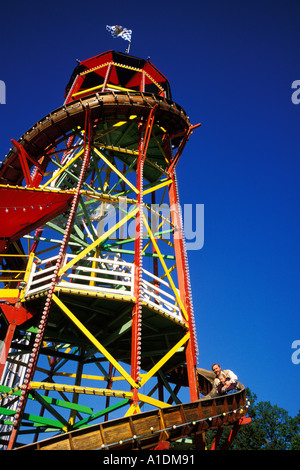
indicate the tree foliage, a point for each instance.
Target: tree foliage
{"x":271,"y":428}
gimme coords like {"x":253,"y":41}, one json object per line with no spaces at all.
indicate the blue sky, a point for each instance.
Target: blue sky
{"x":231,"y":66}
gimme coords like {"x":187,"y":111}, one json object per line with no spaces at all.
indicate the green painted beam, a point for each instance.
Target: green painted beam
{"x":49,"y":407}
{"x":7,"y":411}
{"x":67,"y":404}
{"x":34,"y":418}
{"x":48,"y":400}
{"x":116,"y":406}
{"x":60,"y":230}
{"x":42,"y":420}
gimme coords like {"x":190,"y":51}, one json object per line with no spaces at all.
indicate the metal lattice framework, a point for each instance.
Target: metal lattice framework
{"x":96,"y":306}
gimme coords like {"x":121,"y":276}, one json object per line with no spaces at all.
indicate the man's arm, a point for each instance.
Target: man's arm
{"x":232,"y":377}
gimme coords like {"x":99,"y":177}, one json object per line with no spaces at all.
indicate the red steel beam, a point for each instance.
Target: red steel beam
{"x":144,"y":137}
{"x":180,"y":255}
{"x":244,"y":420}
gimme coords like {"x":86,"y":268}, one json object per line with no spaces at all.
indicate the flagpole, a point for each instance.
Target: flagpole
{"x":120,"y":32}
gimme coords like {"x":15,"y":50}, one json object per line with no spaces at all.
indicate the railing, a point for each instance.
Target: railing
{"x":14,"y":270}
{"x":107,"y":275}
{"x":41,"y":275}
{"x":100,"y":274}
{"x":90,"y":274}
{"x":158,"y":297}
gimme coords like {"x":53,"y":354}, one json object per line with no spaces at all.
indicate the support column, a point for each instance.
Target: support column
{"x":45,"y":314}
{"x":244,"y":420}
{"x":184,"y":286}
{"x":144,"y":137}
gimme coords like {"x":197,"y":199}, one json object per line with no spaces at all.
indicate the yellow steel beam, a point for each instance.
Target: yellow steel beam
{"x":116,"y":170}
{"x":94,"y":341}
{"x":158,"y":186}
{"x":98,"y":241}
{"x":152,"y":401}
{"x":119,"y":124}
{"x":11,"y":271}
{"x":146,"y":246}
{"x":26,"y":189}
{"x":124,"y":67}
{"x":80,"y":389}
{"x":27,"y":273}
{"x":103,"y":197}
{"x":119,"y":149}
{"x":169,"y":270}
{"x":155,"y":83}
{"x":167,"y":242}
{"x":9,"y":293}
{"x":115,"y":87}
{"x":94,"y":266}
{"x":61,"y":170}
{"x":145,"y":399}
{"x":95,"y":68}
{"x":98,"y":87}
{"x":71,"y":375}
{"x":164,"y":359}
{"x":88,"y":90}
{"x":133,"y":409}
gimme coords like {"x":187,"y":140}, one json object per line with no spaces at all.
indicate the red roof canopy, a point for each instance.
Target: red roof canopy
{"x":120,"y":70}
{"x":23,"y":210}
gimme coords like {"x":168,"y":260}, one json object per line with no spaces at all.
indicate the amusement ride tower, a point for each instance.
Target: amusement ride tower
{"x":95,"y":302}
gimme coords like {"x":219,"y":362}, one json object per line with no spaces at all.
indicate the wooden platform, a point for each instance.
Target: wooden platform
{"x":146,"y":430}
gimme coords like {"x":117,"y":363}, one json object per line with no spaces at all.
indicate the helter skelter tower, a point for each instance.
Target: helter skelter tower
{"x":96,"y":308}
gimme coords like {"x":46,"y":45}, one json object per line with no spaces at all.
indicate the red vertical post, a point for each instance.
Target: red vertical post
{"x":144,"y":137}
{"x":183,"y":283}
{"x":137,"y":308}
{"x":216,"y":440}
{"x":24,"y":163}
{"x":107,"y":75}
{"x":74,"y":88}
{"x":244,"y":420}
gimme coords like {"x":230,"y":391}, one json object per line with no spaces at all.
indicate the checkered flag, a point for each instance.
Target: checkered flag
{"x":120,"y":32}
